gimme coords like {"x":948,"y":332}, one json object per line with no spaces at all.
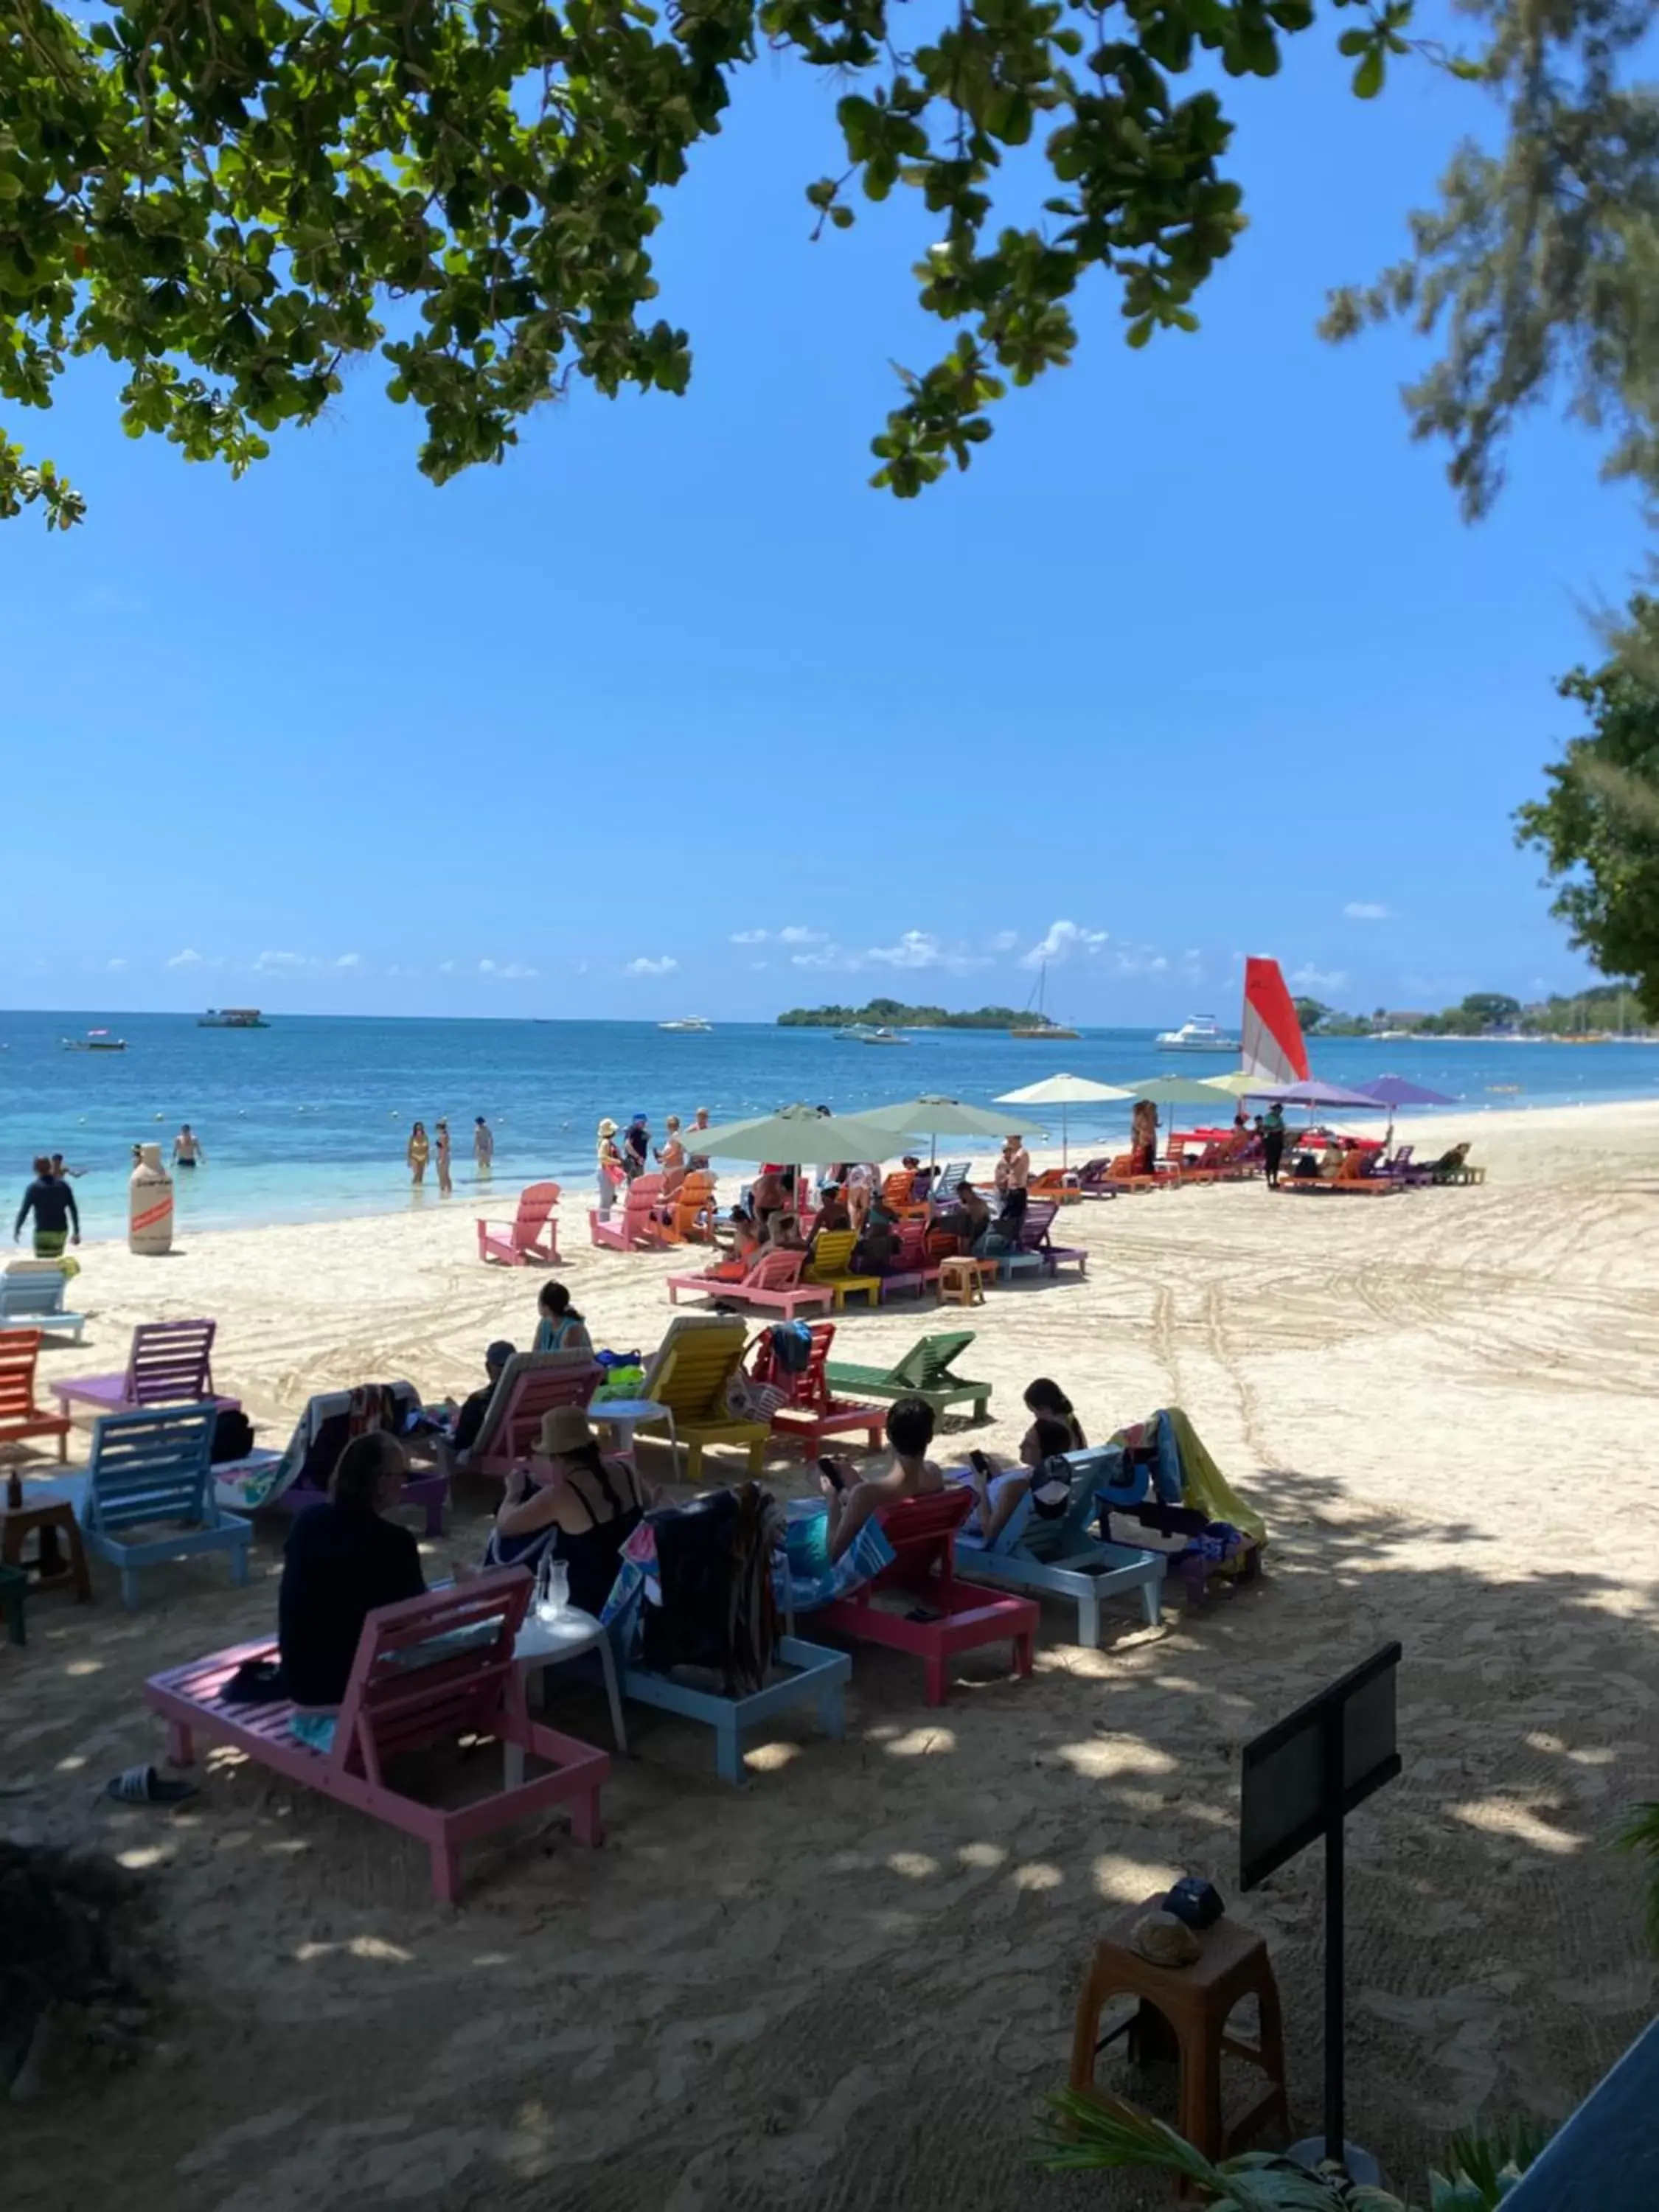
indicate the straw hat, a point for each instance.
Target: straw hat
{"x":607,"y":1127}
{"x":565,"y":1428}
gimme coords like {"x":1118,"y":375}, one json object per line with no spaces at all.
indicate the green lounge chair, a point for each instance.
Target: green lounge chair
{"x":925,"y":1372}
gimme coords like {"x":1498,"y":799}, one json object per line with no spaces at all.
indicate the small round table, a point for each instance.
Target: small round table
{"x":544,"y":1644}
{"x":624,"y":1416}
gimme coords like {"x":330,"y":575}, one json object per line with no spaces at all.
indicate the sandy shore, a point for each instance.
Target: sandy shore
{"x":848,"y":1984}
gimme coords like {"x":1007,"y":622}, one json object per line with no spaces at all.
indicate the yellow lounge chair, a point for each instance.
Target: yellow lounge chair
{"x":832,"y":1256}
{"x":690,"y":1372}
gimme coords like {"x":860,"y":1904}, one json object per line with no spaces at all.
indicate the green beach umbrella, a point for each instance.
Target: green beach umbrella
{"x":934,"y":1117}
{"x":1064,"y":1091}
{"x":1241,"y":1083}
{"x":798,"y":1136}
{"x":1181,"y":1090}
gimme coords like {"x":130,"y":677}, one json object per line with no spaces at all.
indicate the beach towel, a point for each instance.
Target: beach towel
{"x":695,"y":1587}
{"x":1185,"y":1474}
{"x":322,"y":1432}
{"x":803,"y":1576}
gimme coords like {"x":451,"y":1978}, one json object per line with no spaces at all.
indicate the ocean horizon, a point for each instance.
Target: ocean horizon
{"x":307,"y":1119}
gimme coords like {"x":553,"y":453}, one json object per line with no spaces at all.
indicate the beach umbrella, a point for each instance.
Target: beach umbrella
{"x":1312,"y":1092}
{"x":1064,"y":1091}
{"x":1241,"y":1083}
{"x":934,"y":1117}
{"x":1394,"y":1091}
{"x":1180,"y":1090}
{"x":798,"y":1135}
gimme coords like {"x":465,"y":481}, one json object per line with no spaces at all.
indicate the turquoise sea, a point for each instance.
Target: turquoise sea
{"x":307,"y":1120}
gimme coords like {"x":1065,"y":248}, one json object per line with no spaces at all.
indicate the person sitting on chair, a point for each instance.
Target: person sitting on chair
{"x":832,"y":1210}
{"x":342,"y":1560}
{"x":1044,"y":1399}
{"x":852,"y":1500}
{"x":569,"y":1503}
{"x":998,"y":1489}
{"x":466,"y":1420}
{"x":560,"y":1328}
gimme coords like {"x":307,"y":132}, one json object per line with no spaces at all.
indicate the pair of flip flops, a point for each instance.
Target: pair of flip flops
{"x":143,"y":1785}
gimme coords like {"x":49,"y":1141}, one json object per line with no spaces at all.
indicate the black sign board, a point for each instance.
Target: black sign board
{"x":1301,"y":1780}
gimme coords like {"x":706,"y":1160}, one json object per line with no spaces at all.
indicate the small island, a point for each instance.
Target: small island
{"x":889,"y":1014}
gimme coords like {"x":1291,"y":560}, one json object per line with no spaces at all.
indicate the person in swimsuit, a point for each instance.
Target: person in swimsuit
{"x":560,"y":1328}
{"x":61,"y":1170}
{"x":670,"y":1156}
{"x":912,"y":1475}
{"x":570,"y":1504}
{"x":187,"y":1149}
{"x":441,"y":1130}
{"x":1046,"y":1400}
{"x":998,"y":1490}
{"x":419,"y":1152}
{"x":483,"y":1147}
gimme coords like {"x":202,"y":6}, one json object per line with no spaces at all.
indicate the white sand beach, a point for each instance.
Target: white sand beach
{"x":848,"y":1983}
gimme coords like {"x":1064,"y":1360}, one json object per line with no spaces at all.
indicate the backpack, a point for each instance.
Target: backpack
{"x":791,"y":1347}
{"x":232,"y":1435}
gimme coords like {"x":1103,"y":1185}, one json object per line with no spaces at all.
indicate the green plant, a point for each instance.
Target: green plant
{"x":1640,"y":1834}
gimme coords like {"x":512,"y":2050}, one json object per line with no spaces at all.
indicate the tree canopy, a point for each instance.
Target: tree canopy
{"x":231,"y":198}
{"x":1598,"y":826}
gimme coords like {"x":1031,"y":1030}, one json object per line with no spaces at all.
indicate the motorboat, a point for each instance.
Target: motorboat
{"x":687,"y":1025}
{"x":231,"y":1018}
{"x":862,"y":1033}
{"x":1198,"y":1033}
{"x":95,"y":1040}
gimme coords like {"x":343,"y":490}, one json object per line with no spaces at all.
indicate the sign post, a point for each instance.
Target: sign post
{"x":1301,"y":1780}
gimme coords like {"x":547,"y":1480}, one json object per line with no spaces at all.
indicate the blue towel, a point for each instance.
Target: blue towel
{"x":314,"y":1730}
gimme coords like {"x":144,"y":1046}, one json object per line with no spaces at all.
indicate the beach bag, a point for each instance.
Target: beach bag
{"x":749,"y":1401}
{"x":791,"y":1347}
{"x":716,"y":1608}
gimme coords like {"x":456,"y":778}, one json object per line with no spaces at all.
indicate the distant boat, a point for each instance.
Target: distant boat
{"x":1035,"y":1025}
{"x":95,"y":1040}
{"x":233,"y":1018}
{"x":689,"y":1025}
{"x":1198,"y":1033}
{"x":862,"y":1033}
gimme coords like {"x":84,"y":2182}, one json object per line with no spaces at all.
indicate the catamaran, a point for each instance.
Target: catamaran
{"x":1035,"y":1024}
{"x":687,"y":1025}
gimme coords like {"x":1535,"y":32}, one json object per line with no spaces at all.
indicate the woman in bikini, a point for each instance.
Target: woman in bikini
{"x":420,"y":1151}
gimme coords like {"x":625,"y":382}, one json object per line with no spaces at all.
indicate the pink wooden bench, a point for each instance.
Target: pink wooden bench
{"x":922,"y":1532}
{"x":407,"y":1690}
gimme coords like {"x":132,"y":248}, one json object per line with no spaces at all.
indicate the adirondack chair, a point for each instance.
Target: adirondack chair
{"x":1034,"y":1236}
{"x":532,"y":1233}
{"x":926,"y":1371}
{"x":922,"y":1531}
{"x":898,"y":1195}
{"x":150,"y":1472}
{"x":813,"y":1411}
{"x":773,"y":1282}
{"x":429,"y":1670}
{"x":631,"y":1229}
{"x":527,"y":1389}
{"x":21,"y":1416}
{"x":1062,"y":1557}
{"x":691,"y":1373}
{"x":170,"y":1361}
{"x":32,"y":1294}
{"x":831,"y":1262}
{"x":687,"y":1214}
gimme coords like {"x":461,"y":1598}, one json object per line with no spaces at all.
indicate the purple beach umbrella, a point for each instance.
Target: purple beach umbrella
{"x":1393,"y":1090}
{"x":1312,"y":1092}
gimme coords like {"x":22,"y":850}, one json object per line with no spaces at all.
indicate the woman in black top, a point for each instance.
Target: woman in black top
{"x":343,"y":1559}
{"x":580,"y":1507}
{"x":53,"y":1204}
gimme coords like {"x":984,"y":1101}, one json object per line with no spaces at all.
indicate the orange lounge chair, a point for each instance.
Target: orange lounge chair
{"x":21,"y":1416}
{"x":1350,"y":1179}
{"x":687,"y":1214}
{"x":532,"y":1233}
{"x":898,"y":1195}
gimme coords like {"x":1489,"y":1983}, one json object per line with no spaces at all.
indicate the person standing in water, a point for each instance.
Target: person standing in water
{"x":187,"y":1149}
{"x":483,"y":1147}
{"x":57,"y":1219}
{"x":441,"y":1130}
{"x":418,"y":1153}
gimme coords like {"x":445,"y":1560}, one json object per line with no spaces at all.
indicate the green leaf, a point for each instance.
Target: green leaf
{"x":1368,"y":78}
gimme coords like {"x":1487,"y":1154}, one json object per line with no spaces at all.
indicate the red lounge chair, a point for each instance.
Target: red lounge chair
{"x":922,"y":1531}
{"x":407,"y":1690}
{"x":532,"y":1233}
{"x":20,"y":1415}
{"x":812,"y":1414}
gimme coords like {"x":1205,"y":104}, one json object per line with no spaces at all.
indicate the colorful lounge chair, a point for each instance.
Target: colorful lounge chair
{"x":811,"y":1411}
{"x":911,"y":1272}
{"x":691,"y":1373}
{"x":1061,"y":1557}
{"x":687,"y":1214}
{"x":428,"y":1671}
{"x":831,"y":1264}
{"x":170,"y":1361}
{"x":926,"y":1371}
{"x":32,"y":1296}
{"x":147,"y":1495}
{"x":21,"y":1416}
{"x":1095,"y":1179}
{"x":527,"y":1389}
{"x":1036,"y":1235}
{"x":773,"y":1282}
{"x":954,"y":1617}
{"x":291,"y":1481}
{"x":532,"y":1233}
{"x":629,"y":1229}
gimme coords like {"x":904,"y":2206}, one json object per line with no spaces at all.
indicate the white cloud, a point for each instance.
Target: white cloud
{"x":115,"y":963}
{"x":1003,"y":941}
{"x":917,"y":948}
{"x":446,"y":967}
{"x":268,"y":963}
{"x":1064,"y":937}
{"x":349,"y":960}
{"x":486,"y":967}
{"x":831,"y":956}
{"x":187,"y":958}
{"x":516,"y":972}
{"x":666,"y":966}
{"x":758,"y":966}
{"x":749,"y":937}
{"x":1310,"y":978}
{"x":1366,"y":910}
{"x":796,"y":934}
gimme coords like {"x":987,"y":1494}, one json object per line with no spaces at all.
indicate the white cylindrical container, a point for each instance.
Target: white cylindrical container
{"x":150,"y":1204}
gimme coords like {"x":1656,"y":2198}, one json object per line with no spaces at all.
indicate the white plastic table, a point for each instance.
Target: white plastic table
{"x":624,"y":1416}
{"x":542,"y":1644}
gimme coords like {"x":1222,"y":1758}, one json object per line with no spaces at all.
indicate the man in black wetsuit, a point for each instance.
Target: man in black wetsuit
{"x":53,"y":1204}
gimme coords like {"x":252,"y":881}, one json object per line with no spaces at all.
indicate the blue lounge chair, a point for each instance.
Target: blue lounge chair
{"x":148,"y":1496}
{"x":807,"y":1675}
{"x":1060,"y":1558}
{"x":32,"y":1297}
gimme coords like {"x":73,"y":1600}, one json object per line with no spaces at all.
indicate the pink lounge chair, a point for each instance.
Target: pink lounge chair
{"x":811,"y":1411}
{"x":532,"y":1233}
{"x":922,"y":1532}
{"x":407,"y":1690}
{"x":632,"y":1229}
{"x":773,"y":1282}
{"x":529,"y":1387}
{"x":170,"y":1360}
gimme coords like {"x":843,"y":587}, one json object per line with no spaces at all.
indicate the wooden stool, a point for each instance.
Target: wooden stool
{"x":1185,"y":2009}
{"x":49,"y":1569}
{"x":959,"y":1283}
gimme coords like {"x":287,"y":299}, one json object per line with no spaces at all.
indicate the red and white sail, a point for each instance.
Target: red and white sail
{"x":1273,"y":1049}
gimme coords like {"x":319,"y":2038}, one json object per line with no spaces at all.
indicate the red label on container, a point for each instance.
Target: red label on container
{"x":155,"y":1213}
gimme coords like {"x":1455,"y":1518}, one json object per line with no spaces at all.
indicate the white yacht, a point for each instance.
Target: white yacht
{"x":1198,"y":1033}
{"x":689,"y":1025}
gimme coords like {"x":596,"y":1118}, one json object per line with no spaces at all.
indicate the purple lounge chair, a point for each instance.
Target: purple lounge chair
{"x":170,"y":1360}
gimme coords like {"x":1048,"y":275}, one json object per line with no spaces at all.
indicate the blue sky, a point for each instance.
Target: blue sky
{"x":672,"y":713}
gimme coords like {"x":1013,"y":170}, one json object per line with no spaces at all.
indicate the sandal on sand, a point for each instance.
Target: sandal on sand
{"x":143,"y":1785}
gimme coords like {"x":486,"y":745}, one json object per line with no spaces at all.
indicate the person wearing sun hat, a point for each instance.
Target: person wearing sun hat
{"x":611,"y":1169}
{"x":568,"y":1502}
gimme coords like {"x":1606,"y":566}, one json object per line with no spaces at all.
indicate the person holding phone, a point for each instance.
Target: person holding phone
{"x":998,"y":1490}
{"x":852,"y":1499}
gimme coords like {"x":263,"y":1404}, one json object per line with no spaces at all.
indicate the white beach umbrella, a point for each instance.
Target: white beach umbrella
{"x":1064,"y":1091}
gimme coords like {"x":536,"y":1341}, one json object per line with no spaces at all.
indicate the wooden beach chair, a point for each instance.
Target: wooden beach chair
{"x":691,"y":1373}
{"x":898,"y":1195}
{"x":954,"y":1617}
{"x":32,"y":1295}
{"x":1036,"y":1235}
{"x":773,"y":1282}
{"x":21,"y":1416}
{"x":831,"y":1264}
{"x":527,"y":1389}
{"x":631,"y":1229}
{"x":927,"y":1371}
{"x":532,"y":1233}
{"x":811,"y":1411}
{"x":170,"y":1361}
{"x":147,"y":1495}
{"x":687,"y":1214}
{"x":428,"y":1671}
{"x":1062,"y":1559}
{"x":911,"y":1272}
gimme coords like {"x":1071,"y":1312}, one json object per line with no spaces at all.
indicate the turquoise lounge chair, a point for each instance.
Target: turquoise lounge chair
{"x":1060,"y":1558}
{"x":148,"y":1495}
